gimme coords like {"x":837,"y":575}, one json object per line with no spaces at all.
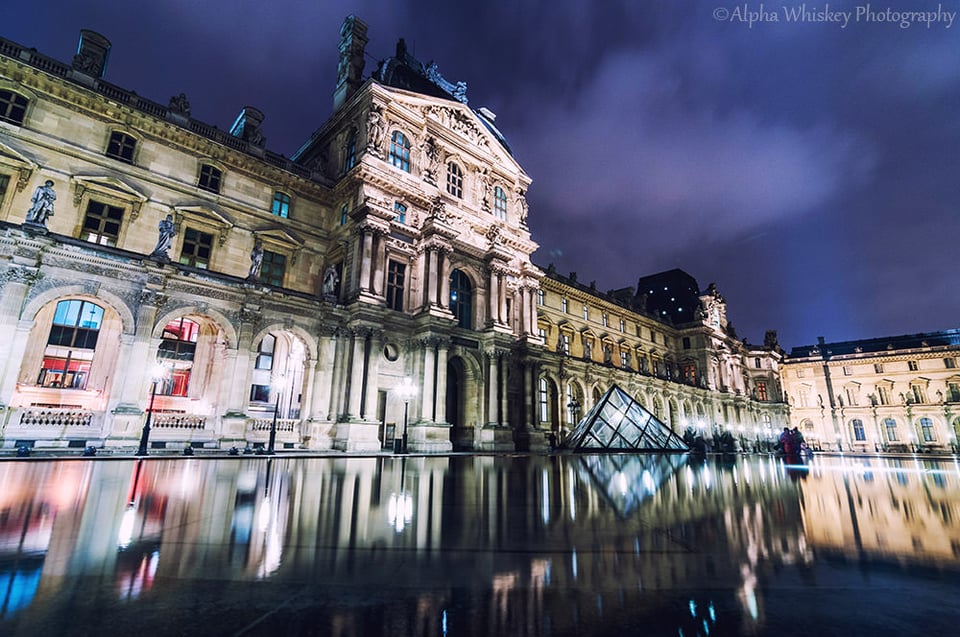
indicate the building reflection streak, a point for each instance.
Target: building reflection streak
{"x":528,"y":548}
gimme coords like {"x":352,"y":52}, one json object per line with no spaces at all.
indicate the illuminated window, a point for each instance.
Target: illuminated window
{"x":177,"y":349}
{"x":690,"y":377}
{"x":858,"y":432}
{"x":499,"y":203}
{"x":400,"y":212}
{"x":891,"y":426}
{"x":13,"y":107}
{"x":265,"y":352}
{"x":544,"y":399}
{"x":604,"y":320}
{"x":624,"y":359}
{"x":454,"y":180}
{"x":623,"y":326}
{"x":926,"y":429}
{"x":396,"y":272}
{"x":400,"y":151}
{"x":563,"y":305}
{"x":761,"y":390}
{"x":210,"y":178}
{"x":281,"y":205}
{"x":121,"y":146}
{"x":563,"y":345}
{"x":586,"y":313}
{"x":196,"y":248}
{"x":101,"y":224}
{"x":71,"y":345}
{"x":273,"y":268}
{"x":461,"y":298}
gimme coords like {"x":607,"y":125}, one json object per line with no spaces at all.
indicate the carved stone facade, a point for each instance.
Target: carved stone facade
{"x":900,"y":393}
{"x":392,"y":245}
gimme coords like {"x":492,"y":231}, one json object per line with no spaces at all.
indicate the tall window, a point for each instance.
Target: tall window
{"x":499,"y":203}
{"x":265,"y":352}
{"x":400,"y":151}
{"x":343,"y":214}
{"x":461,"y":297}
{"x":690,"y":377}
{"x":564,"y":344}
{"x":686,"y":342}
{"x":624,"y":359}
{"x":891,"y":426}
{"x":571,"y":411}
{"x":623,"y":326}
{"x":858,"y":432}
{"x":13,"y":107}
{"x":121,"y":146}
{"x":177,"y":349}
{"x":350,"y":152}
{"x":603,"y":318}
{"x":273,"y":268}
{"x":912,"y":366}
{"x":761,"y":390}
{"x":586,"y":313}
{"x":883,"y":395}
{"x":926,"y":429}
{"x":953,"y":392}
{"x":563,"y":305}
{"x":400,"y":212}
{"x":757,"y":363}
{"x":454,"y":180}
{"x":196,"y":248}
{"x":71,"y":345}
{"x":544,"y":400}
{"x":210,"y":178}
{"x":541,"y":297}
{"x":281,"y":205}
{"x":950,"y":363}
{"x":396,"y":272}
{"x":102,"y":224}
{"x":919,"y":395}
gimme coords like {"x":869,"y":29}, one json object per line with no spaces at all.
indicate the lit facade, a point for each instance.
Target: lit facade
{"x":900,"y":393}
{"x":148,"y":259}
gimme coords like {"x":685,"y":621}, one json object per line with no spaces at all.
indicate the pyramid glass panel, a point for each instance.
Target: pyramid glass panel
{"x":619,"y":422}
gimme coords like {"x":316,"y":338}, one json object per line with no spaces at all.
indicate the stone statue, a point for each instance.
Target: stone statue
{"x":331,"y":279}
{"x":375,"y":131}
{"x":256,"y":260}
{"x":521,"y":200}
{"x":483,"y":185}
{"x":165,"y":239}
{"x":432,"y":154}
{"x":179,"y":104}
{"x":42,"y":208}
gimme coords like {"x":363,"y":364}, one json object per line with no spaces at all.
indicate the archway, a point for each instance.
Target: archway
{"x":460,"y":436}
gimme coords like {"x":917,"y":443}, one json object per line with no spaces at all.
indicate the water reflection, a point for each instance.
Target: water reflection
{"x":463,"y":545}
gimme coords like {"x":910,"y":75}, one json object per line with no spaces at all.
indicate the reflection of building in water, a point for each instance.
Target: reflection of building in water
{"x":530,"y":546}
{"x":899,"y":393}
{"x":904,"y":511}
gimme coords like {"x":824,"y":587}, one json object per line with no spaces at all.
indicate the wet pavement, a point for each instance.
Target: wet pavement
{"x":612,"y":544}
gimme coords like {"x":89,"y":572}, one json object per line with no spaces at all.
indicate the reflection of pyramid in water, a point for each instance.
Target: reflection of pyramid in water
{"x":618,"y":422}
{"x":628,"y":479}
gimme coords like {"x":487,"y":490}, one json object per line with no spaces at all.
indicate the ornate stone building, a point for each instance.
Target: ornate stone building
{"x":152,"y":262}
{"x":900,"y":393}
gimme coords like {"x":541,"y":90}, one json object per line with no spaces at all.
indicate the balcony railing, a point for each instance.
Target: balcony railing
{"x":286,"y":425}
{"x":179,"y":421}
{"x":52,"y":417}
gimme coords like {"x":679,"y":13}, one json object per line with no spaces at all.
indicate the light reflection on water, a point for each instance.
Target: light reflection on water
{"x":471,"y":545}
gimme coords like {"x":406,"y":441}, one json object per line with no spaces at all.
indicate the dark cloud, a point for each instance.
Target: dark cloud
{"x":810,"y":171}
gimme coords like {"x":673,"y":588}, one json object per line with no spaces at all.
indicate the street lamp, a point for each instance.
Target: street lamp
{"x":277,"y":387}
{"x":159,"y":373}
{"x":405,"y":391}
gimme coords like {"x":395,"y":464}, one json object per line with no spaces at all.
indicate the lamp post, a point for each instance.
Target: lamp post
{"x":406,"y":390}
{"x":277,"y":387}
{"x":158,"y":373}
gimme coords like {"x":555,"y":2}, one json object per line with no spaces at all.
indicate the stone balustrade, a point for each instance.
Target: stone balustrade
{"x":53,"y":417}
{"x":179,"y":421}
{"x":286,"y":425}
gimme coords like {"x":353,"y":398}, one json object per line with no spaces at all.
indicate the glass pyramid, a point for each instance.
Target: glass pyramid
{"x":627,"y":480}
{"x":618,"y":422}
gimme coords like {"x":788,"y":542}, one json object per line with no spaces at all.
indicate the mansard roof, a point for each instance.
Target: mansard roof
{"x":946,"y":338}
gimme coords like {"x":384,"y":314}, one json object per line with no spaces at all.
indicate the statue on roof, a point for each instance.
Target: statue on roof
{"x":180,"y":105}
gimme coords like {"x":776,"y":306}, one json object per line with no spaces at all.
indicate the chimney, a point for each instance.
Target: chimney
{"x":92,"y":53}
{"x":353,"y":41}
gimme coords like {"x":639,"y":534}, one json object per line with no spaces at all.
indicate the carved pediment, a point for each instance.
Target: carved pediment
{"x":110,"y":187}
{"x":281,"y":238}
{"x":206,"y":215}
{"x":24,"y":166}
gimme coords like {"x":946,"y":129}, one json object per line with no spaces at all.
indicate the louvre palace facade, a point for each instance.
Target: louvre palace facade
{"x":382,"y":275}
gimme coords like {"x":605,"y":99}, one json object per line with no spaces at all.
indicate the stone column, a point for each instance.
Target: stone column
{"x":379,"y":273}
{"x":18,"y":281}
{"x":133,"y":381}
{"x":366,"y":249}
{"x":501,"y":297}
{"x":338,"y":383}
{"x":356,"y":375}
{"x":493,"y":381}
{"x":427,"y":402}
{"x":319,"y":406}
{"x":502,"y":388}
{"x":432,"y":277}
{"x":444,"y":274}
{"x":441,"y":410}
{"x":372,"y":374}
{"x":493,"y":293}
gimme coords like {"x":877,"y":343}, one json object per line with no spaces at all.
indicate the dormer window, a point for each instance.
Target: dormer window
{"x":13,"y":107}
{"x":454,"y":180}
{"x":121,"y":146}
{"x":210,"y":178}
{"x":400,"y":151}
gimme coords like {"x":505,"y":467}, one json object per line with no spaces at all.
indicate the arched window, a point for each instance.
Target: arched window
{"x":926,"y":429}
{"x":177,"y":349}
{"x":400,"y":151}
{"x":544,"y":401}
{"x":891,"y":426}
{"x":499,"y":203}
{"x":71,"y":344}
{"x":13,"y":107}
{"x":461,"y":297}
{"x":858,"y":432}
{"x":454,"y":180}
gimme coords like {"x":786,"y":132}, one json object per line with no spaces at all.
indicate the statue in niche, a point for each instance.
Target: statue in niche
{"x":375,"y":129}
{"x":42,"y":208}
{"x":520,"y":197}
{"x":483,"y":183}
{"x":179,"y":104}
{"x":587,"y":348}
{"x":256,"y":261}
{"x":331,"y":281}
{"x":432,"y":152}
{"x":164,"y":239}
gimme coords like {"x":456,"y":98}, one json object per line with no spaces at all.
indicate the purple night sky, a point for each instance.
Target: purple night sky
{"x":811,"y":170}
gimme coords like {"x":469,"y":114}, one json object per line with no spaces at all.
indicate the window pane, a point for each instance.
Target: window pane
{"x":13,"y":107}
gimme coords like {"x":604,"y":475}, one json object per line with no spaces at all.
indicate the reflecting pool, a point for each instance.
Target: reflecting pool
{"x":609,"y":544}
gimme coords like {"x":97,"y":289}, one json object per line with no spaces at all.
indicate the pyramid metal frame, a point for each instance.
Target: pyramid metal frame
{"x":619,"y":423}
